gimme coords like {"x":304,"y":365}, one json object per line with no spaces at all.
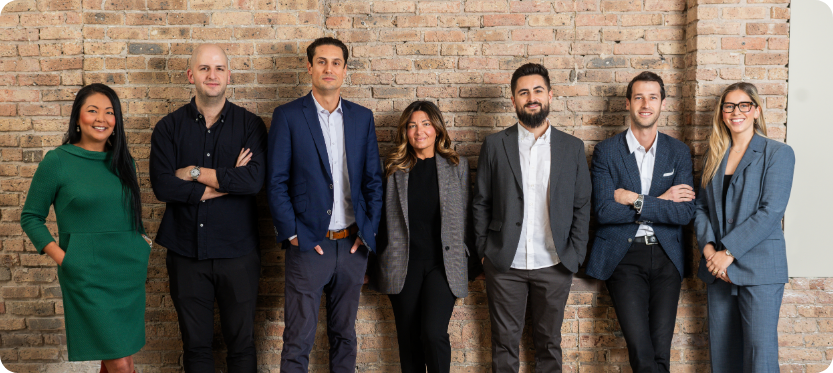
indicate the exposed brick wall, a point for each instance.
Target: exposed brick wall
{"x":458,"y":53}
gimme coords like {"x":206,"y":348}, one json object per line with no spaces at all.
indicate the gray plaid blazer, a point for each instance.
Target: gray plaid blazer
{"x":391,"y":267}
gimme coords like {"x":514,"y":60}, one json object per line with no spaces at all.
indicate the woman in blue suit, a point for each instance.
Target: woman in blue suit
{"x":745,"y":187}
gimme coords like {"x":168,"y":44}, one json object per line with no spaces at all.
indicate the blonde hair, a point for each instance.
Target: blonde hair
{"x":403,"y":156}
{"x":720,"y":139}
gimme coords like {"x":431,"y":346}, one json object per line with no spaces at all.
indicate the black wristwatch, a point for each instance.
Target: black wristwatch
{"x":638,"y":203}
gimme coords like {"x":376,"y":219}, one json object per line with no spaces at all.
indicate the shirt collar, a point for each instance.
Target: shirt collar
{"x":633,"y":143}
{"x":525,"y":135}
{"x":195,"y":112}
{"x":319,"y":108}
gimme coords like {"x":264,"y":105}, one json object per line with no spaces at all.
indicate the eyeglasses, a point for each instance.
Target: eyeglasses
{"x":744,"y":107}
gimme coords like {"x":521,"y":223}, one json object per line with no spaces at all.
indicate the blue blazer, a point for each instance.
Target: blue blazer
{"x":614,"y":167}
{"x":299,"y":178}
{"x":755,"y":204}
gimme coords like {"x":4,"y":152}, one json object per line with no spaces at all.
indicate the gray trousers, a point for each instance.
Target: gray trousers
{"x":547,"y":290}
{"x":743,"y":327}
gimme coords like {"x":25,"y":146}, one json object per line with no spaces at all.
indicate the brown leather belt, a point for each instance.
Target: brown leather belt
{"x":344,"y":233}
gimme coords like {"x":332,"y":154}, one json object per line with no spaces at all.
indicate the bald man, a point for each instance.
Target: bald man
{"x":207,"y":162}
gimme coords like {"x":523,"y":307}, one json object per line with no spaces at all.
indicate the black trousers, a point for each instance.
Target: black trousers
{"x":546,"y":290}
{"x":645,"y":290}
{"x":195,"y":284}
{"x":422,"y":311}
{"x":339,"y":275}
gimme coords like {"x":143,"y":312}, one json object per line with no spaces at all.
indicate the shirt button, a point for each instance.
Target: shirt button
{"x":200,"y":225}
{"x":208,"y":154}
{"x":447,"y":248}
{"x":730,"y":221}
{"x":329,"y":212}
{"x":209,"y":131}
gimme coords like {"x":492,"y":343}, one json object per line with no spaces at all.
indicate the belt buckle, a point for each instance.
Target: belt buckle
{"x":649,"y":241}
{"x":330,"y":235}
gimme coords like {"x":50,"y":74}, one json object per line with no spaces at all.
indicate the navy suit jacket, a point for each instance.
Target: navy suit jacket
{"x":755,"y":204}
{"x":299,"y":179}
{"x":614,"y":167}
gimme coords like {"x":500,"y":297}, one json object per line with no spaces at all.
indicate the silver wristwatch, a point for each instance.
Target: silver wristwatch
{"x":638,"y":203}
{"x":195,"y":173}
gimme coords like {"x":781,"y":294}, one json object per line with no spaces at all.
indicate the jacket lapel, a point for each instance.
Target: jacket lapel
{"x":717,"y":190}
{"x":317,"y":134}
{"x":510,"y":145}
{"x":444,"y":174}
{"x":350,"y":139}
{"x":401,"y":179}
{"x":661,"y":160}
{"x":629,"y":162}
{"x":556,"y":156}
{"x":753,"y":152}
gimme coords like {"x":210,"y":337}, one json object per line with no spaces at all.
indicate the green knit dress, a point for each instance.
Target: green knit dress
{"x":104,"y":271}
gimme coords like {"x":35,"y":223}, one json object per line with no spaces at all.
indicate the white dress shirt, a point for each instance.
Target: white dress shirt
{"x":536,"y":248}
{"x":332,"y":124}
{"x":645,"y":162}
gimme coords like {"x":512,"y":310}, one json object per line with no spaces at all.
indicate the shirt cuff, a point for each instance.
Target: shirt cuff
{"x":220,"y":173}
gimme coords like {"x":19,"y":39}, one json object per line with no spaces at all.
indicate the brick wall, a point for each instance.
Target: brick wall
{"x":458,"y":53}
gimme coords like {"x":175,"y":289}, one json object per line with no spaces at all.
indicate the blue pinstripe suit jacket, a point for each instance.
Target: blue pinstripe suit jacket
{"x":614,"y":167}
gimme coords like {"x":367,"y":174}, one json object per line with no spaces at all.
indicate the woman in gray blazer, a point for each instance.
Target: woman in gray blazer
{"x":422,"y":255}
{"x":745,"y":187}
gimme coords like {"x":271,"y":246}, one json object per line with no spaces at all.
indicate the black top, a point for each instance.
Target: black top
{"x":424,"y":216}
{"x":727,"y":180}
{"x":222,"y":227}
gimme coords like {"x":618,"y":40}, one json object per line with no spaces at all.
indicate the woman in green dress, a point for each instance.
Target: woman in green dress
{"x":102,"y":252}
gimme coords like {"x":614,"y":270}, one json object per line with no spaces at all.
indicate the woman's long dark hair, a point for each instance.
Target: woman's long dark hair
{"x":121,"y":163}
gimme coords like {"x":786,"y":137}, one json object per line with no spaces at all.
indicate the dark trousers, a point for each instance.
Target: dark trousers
{"x":743,"y":327}
{"x":547,"y":290}
{"x":195,"y":284}
{"x":422,"y":311}
{"x":340,"y":276}
{"x":645,"y":290}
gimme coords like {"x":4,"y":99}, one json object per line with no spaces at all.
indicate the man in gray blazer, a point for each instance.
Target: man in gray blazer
{"x":531,"y":213}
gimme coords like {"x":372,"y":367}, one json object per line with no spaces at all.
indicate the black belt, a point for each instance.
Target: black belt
{"x":648,"y":240}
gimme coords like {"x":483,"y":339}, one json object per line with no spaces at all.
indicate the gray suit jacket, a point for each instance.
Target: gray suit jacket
{"x":755,"y":204}
{"x":498,"y":200}
{"x":388,"y":275}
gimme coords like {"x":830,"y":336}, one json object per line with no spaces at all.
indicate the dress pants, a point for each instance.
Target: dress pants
{"x":547,"y":290}
{"x":422,"y":311}
{"x":645,"y":290}
{"x":743,"y":327}
{"x":338,"y":274}
{"x":195,"y":284}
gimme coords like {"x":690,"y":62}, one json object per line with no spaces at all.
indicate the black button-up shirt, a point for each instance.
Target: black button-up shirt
{"x":222,"y":227}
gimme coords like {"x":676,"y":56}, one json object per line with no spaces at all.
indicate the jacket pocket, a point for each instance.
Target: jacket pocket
{"x":495,"y":225}
{"x":299,"y":205}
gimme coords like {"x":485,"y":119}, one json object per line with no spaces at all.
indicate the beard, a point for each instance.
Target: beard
{"x":534,"y":120}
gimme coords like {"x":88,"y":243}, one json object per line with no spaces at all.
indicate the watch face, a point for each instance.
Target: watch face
{"x":637,"y":204}
{"x":195,"y":172}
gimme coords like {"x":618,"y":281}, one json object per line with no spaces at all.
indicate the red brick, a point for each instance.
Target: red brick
{"x":747,"y":43}
{"x":487,"y":6}
{"x":490,"y":20}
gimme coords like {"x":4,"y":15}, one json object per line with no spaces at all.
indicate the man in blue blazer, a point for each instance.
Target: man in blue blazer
{"x":324,"y":184}
{"x":642,"y":196}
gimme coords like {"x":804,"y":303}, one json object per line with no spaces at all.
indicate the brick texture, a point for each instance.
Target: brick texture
{"x":458,"y":53}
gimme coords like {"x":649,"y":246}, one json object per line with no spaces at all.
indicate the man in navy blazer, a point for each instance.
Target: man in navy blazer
{"x":324,"y":185}
{"x":642,"y":196}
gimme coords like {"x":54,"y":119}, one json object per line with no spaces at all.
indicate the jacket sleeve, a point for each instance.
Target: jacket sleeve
{"x":278,"y":167}
{"x":162,"y":167}
{"x":607,"y":210}
{"x":775,"y":193}
{"x":372,"y":177}
{"x":580,"y":226}
{"x":248,"y":179}
{"x":42,"y":191}
{"x":482,"y":201}
{"x":663,"y":211}
{"x":702,"y":219}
